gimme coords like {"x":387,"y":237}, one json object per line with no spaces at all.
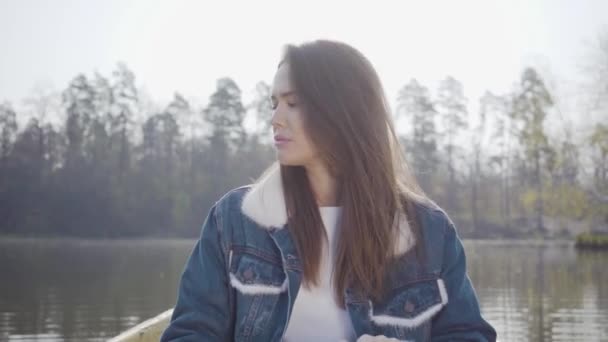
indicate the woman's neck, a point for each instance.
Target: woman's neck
{"x":324,"y":185}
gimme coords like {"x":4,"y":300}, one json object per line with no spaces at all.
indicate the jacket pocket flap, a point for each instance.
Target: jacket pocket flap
{"x":410,"y":305}
{"x":252,"y":275}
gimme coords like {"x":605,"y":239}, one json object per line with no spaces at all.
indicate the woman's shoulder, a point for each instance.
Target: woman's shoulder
{"x":232,"y":199}
{"x":432,"y":218}
{"x":260,"y":204}
{"x":437,"y":231}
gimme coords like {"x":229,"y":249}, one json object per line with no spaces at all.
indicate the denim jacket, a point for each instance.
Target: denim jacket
{"x":243,"y":276}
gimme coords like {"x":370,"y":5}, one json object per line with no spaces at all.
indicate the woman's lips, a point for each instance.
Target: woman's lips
{"x":280,"y":141}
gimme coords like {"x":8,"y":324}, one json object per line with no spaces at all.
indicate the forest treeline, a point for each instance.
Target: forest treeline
{"x":118,"y":167}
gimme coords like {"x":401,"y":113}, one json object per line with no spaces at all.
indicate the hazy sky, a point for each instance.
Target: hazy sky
{"x":187,"y":45}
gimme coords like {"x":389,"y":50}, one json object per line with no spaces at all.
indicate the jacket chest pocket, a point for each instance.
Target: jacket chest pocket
{"x":406,"y":311}
{"x":258,"y":282}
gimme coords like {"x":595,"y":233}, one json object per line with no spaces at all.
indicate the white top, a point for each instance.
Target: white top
{"x":315,"y":315}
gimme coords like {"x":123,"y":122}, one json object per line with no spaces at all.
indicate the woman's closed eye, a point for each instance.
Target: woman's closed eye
{"x":274,"y":105}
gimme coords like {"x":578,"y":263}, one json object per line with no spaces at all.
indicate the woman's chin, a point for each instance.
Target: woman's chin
{"x":286,"y":161}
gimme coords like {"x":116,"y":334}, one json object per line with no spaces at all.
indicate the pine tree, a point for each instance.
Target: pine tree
{"x":414,"y":103}
{"x":530,"y":107}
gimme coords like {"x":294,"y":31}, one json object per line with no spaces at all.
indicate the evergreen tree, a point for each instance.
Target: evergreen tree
{"x":452,"y":109}
{"x":414,"y":103}
{"x":530,"y":108}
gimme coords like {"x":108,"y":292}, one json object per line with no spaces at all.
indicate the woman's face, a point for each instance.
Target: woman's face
{"x":292,"y":143}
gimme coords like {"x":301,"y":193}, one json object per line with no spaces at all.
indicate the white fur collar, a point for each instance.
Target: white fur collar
{"x":264,"y":203}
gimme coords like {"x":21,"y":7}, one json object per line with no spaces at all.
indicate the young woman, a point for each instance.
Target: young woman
{"x":335,"y":242}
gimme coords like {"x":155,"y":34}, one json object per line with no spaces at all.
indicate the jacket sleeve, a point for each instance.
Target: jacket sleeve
{"x":460,"y":319}
{"x":202,"y":312}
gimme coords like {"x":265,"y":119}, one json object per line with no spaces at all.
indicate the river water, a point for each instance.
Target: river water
{"x":80,"y":290}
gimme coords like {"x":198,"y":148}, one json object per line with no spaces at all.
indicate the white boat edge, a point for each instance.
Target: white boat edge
{"x":148,"y":330}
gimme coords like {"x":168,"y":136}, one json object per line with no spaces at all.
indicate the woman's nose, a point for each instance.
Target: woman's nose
{"x":277,"y":119}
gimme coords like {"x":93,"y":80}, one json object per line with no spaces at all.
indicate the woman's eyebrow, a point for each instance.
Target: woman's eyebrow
{"x":284,"y":94}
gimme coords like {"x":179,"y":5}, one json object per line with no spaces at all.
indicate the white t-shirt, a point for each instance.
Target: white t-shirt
{"x":315,"y":315}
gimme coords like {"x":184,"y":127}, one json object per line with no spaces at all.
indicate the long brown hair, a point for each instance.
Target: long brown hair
{"x":347,"y":117}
